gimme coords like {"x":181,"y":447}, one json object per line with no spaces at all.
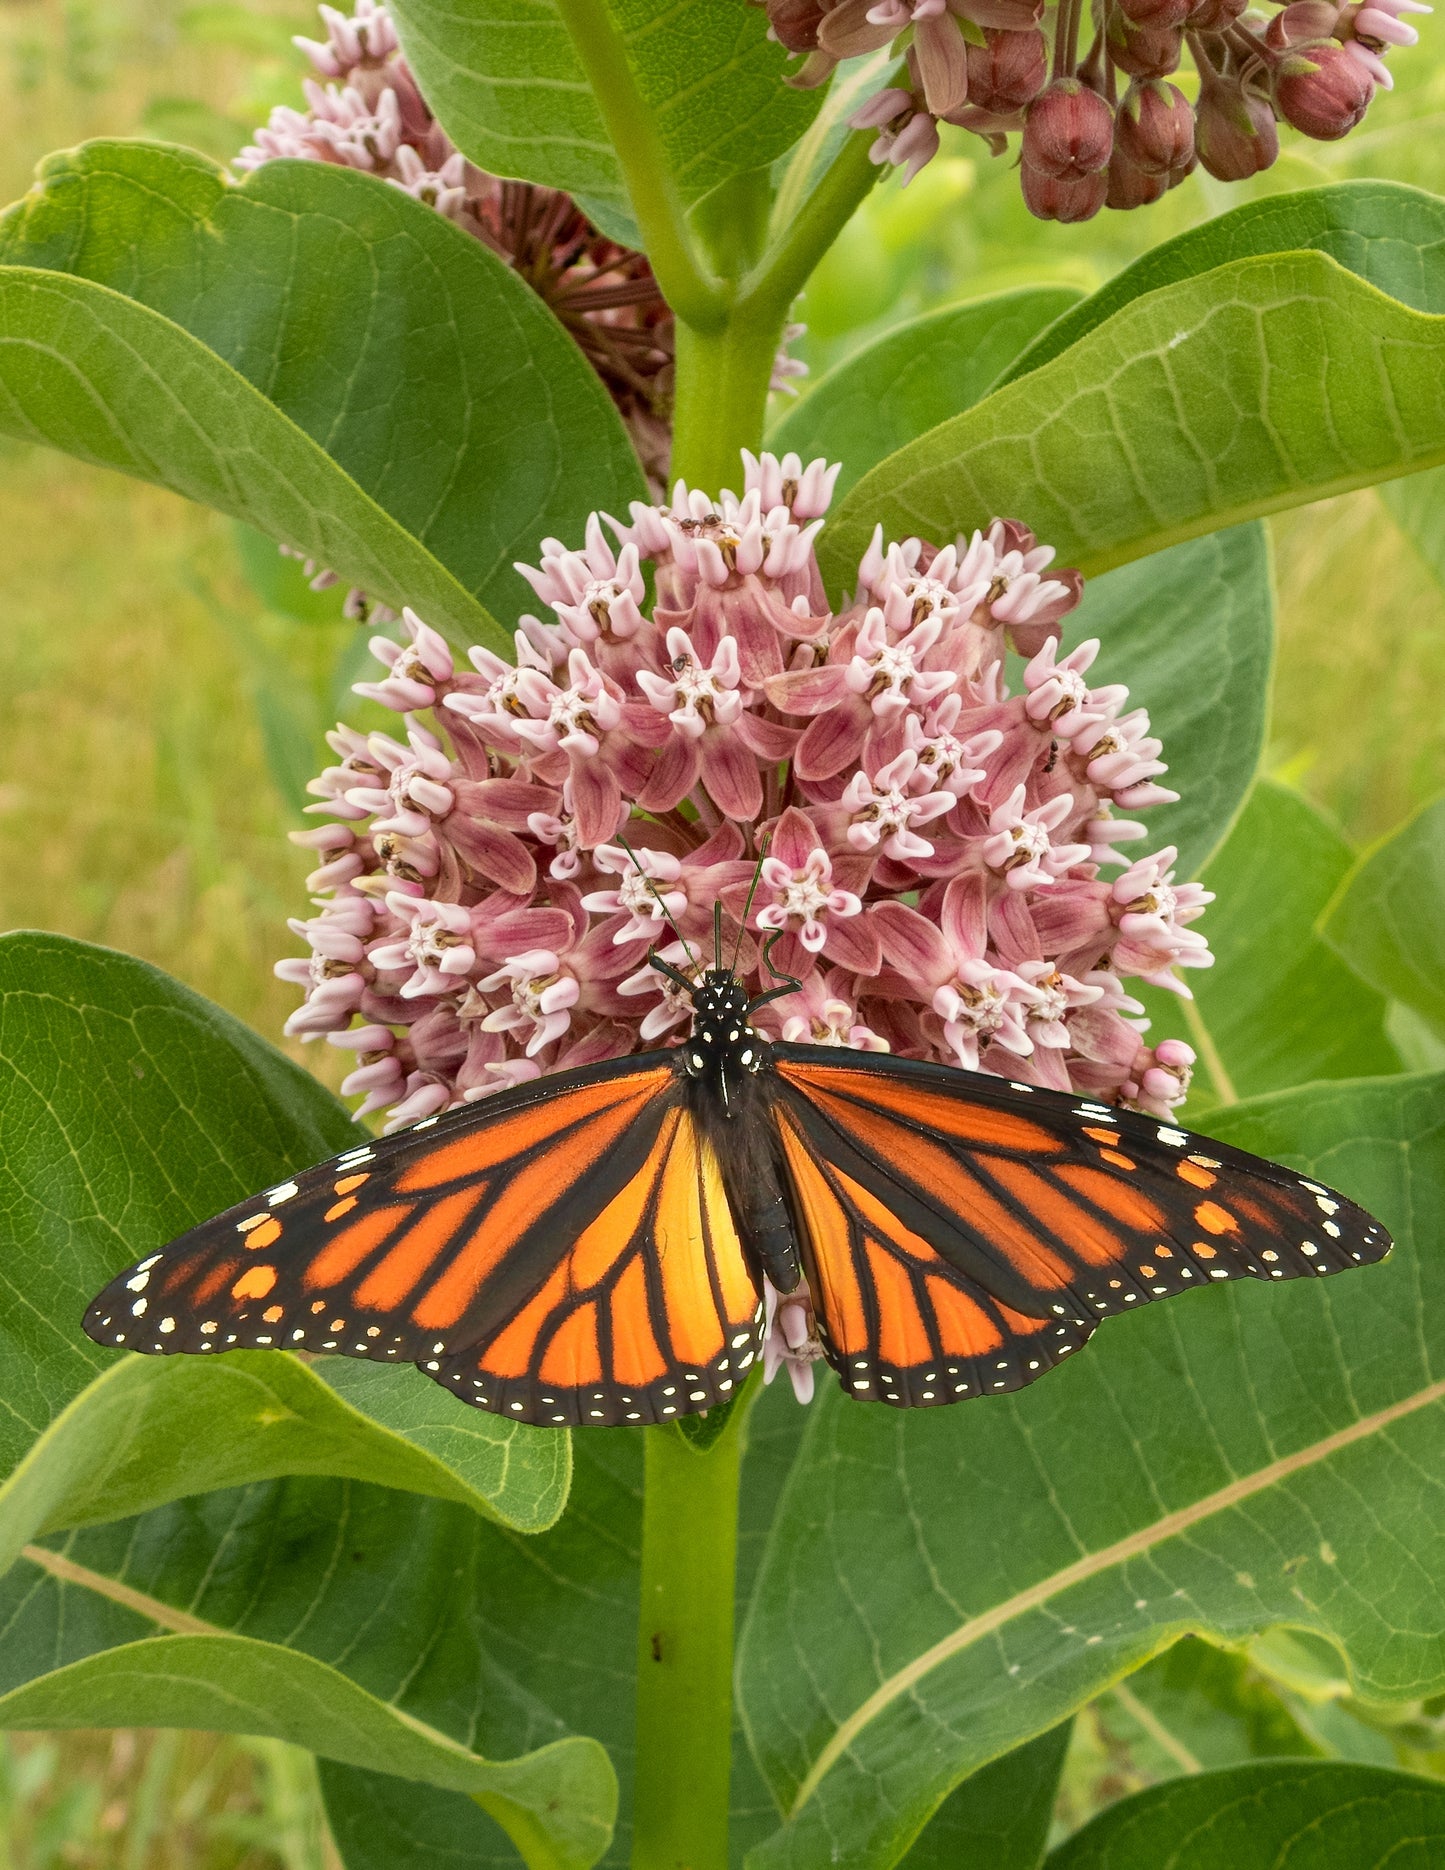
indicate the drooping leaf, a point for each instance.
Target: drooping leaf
{"x":559,"y":1800}
{"x":940,"y":1587}
{"x":1384,"y":232}
{"x":913,"y":378}
{"x":1417,"y":506}
{"x":133,"y":1108}
{"x":91,"y":373}
{"x":440,"y":387}
{"x":1387,"y":917}
{"x":1264,"y":384}
{"x":505,"y":79}
{"x":998,"y":1819}
{"x":1191,"y":631}
{"x":1311,"y":1816}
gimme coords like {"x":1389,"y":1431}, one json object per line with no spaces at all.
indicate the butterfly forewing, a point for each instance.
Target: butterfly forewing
{"x":573,"y":1229}
{"x":963,"y":1234}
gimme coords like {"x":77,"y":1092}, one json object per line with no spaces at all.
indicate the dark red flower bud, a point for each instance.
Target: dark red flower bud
{"x":1069,"y":133}
{"x":1008,"y":71}
{"x":1234,"y":130}
{"x":1062,"y":198}
{"x":1301,"y":22}
{"x":1145,"y":51}
{"x":1155,"y":13}
{"x":1322,"y":91}
{"x":1215,"y":15}
{"x":1133,"y":187}
{"x":795,"y":23}
{"x":1154,"y":130}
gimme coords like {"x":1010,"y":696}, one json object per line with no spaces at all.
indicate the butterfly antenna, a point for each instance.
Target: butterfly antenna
{"x":686,"y":945}
{"x":748,"y":905}
{"x":789,"y":984}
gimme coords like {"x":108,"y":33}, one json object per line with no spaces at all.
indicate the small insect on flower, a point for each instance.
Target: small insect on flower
{"x":899,"y":1112}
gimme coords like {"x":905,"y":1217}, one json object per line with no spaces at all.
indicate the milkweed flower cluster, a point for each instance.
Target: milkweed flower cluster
{"x":942,"y":861}
{"x":1099,"y":123}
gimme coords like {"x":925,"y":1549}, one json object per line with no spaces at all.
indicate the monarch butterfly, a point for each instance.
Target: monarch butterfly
{"x":590,"y":1247}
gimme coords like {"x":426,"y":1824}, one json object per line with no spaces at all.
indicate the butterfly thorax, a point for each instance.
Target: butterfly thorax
{"x":729,"y":1065}
{"x":723,"y":1049}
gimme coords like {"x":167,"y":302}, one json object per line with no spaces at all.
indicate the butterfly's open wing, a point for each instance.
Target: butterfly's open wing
{"x":963,"y":1234}
{"x":561,"y":1253}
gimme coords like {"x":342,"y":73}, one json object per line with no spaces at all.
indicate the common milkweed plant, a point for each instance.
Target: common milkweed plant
{"x":951,"y":673}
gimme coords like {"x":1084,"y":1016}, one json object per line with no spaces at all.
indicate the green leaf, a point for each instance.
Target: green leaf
{"x":1204,"y":676}
{"x":348,"y":350}
{"x":1387,"y":917}
{"x":557,"y":1804}
{"x":1264,"y":384}
{"x":1197,"y":1707}
{"x":941,"y":1586}
{"x":1312,"y":1816}
{"x":1278,"y":1008}
{"x":504,"y":78}
{"x":914,"y":377}
{"x":151,"y":1430}
{"x":999,"y":1818}
{"x":1417,"y":506}
{"x":500,"y":1643}
{"x":133,"y":1108}
{"x":1388,"y":234}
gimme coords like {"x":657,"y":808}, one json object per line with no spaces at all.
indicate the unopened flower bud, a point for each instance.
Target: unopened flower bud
{"x":1322,"y":91}
{"x":1301,"y":22}
{"x":1145,"y":51}
{"x":1060,"y":198}
{"x":1131,"y":186}
{"x":795,"y":23}
{"x":1155,"y":12}
{"x":1234,"y":130}
{"x":1007,"y":72}
{"x":1068,"y":136}
{"x":1154,"y":130}
{"x":1215,"y":15}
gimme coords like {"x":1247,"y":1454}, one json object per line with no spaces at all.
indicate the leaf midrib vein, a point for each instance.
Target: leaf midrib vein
{"x":1134,"y":1545}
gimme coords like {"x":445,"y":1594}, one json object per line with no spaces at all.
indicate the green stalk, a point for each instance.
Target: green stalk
{"x":722,"y":396}
{"x":661,"y":218}
{"x":685,"y":1646}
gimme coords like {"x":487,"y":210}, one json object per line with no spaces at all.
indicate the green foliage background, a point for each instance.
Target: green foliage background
{"x":140,"y":808}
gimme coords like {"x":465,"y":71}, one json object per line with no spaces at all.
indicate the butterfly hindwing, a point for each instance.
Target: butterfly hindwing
{"x":652,"y":1313}
{"x":963,"y":1234}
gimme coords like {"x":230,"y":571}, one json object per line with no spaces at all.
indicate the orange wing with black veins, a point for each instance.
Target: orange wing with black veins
{"x":560,"y":1253}
{"x":963,"y":1234}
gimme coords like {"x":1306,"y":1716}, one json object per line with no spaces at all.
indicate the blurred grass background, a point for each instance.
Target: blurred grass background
{"x":143,"y":801}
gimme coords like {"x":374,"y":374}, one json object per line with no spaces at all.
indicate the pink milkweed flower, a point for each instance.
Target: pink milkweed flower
{"x":790,"y":1337}
{"x":917,"y":847}
{"x":1019,"y":846}
{"x":820,"y":1013}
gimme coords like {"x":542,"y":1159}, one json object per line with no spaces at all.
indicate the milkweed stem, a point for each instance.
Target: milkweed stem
{"x":685,"y":1646}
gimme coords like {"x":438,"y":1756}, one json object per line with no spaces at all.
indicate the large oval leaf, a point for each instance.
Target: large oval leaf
{"x":1191,"y":631}
{"x":1388,"y":234}
{"x":1318,"y":1816}
{"x":440,"y":384}
{"x":1263,"y":384}
{"x":505,"y":79}
{"x":1387,"y":917}
{"x":914,"y":377}
{"x":133,"y":1108}
{"x":939,"y":1588}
